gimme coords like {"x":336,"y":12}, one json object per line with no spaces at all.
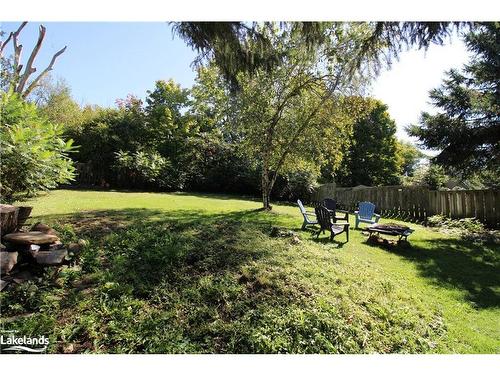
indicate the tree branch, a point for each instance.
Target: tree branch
{"x":3,"y":44}
{"x":17,"y":54}
{"x":42,"y":74}
{"x":29,"y":65}
{"x":17,"y":48}
{"x":299,"y":131}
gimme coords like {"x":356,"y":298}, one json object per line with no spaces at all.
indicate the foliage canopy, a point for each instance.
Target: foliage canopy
{"x":34,"y":154}
{"x":466,"y":131}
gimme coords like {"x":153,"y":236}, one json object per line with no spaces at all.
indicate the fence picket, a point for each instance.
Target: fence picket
{"x":418,"y":203}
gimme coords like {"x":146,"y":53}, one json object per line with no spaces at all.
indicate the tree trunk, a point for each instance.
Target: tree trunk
{"x":8,"y":218}
{"x":266,"y":190}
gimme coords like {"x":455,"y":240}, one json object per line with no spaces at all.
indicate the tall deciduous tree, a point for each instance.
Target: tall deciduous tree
{"x":466,"y":131}
{"x":298,"y":108}
{"x":255,"y":52}
{"x":56,"y":103}
{"x":409,"y":157}
{"x":372,"y":158}
{"x":210,"y":104}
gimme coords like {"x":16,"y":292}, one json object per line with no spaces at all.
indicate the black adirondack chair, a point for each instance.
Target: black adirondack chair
{"x":323,"y":215}
{"x":331,"y":205}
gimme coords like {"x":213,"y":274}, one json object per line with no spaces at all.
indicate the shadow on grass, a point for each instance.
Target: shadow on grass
{"x":339,"y":241}
{"x":142,"y":247}
{"x":449,"y":262}
{"x":456,"y":263}
{"x":190,"y":267}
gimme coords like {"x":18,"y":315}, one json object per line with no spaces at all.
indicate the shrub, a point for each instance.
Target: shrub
{"x":216,"y":166}
{"x":468,"y":228}
{"x":297,"y":184}
{"x":142,"y":169}
{"x":34,"y":154}
{"x":431,"y":176}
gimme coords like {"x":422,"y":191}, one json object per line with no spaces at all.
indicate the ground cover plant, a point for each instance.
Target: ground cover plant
{"x":180,"y":273}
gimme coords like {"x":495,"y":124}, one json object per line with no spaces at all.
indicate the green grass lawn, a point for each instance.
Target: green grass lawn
{"x":177,"y":273}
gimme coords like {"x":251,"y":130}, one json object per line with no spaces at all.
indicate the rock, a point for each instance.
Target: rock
{"x":53,"y":246}
{"x":8,"y":260}
{"x":3,"y":284}
{"x":74,"y":248}
{"x":22,"y":276}
{"x":39,"y":227}
{"x":281,"y":232}
{"x":51,"y":258}
{"x":295,"y":240}
{"x":83,"y":242}
{"x":68,"y":348}
{"x":21,"y":248}
{"x":29,"y":238}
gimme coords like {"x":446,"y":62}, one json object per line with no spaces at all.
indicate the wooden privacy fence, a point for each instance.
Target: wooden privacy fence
{"x":416,"y":203}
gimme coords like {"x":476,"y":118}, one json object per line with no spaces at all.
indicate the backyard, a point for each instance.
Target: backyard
{"x":153,"y":176}
{"x":201,"y":273}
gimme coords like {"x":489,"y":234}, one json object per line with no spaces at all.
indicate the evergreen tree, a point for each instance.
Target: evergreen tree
{"x":467,"y":129}
{"x":237,"y":47}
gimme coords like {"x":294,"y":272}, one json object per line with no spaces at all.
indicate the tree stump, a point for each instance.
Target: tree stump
{"x":8,"y":218}
{"x":23,"y":215}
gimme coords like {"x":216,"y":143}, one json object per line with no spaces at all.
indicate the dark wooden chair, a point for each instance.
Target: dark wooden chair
{"x":331,"y":205}
{"x":323,"y":215}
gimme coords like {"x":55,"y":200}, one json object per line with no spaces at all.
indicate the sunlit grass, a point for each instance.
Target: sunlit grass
{"x":201,"y":273}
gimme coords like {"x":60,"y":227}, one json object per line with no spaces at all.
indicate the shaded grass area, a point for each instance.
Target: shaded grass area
{"x":174,"y":273}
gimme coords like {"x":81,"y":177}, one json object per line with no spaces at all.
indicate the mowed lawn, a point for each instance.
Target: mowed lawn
{"x":194,"y":273}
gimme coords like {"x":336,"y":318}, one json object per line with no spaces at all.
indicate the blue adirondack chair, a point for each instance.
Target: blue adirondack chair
{"x":308,"y":220}
{"x":366,"y":214}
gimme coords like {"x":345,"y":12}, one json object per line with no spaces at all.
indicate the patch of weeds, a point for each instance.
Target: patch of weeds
{"x":65,"y":232}
{"x":470,"y":229}
{"x":90,"y":259}
{"x":21,"y":298}
{"x":143,"y":256}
